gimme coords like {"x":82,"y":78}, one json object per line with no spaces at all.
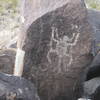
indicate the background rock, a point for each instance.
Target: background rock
{"x":7,"y":60}
{"x":16,"y":88}
{"x":94,"y":19}
{"x":91,"y":86}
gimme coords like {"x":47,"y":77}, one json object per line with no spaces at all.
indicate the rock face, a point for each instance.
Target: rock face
{"x":57,"y":47}
{"x":16,"y":88}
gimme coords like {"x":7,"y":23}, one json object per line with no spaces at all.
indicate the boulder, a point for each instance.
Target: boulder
{"x":94,"y":19}
{"x":96,"y":95}
{"x":91,"y":86}
{"x":92,"y":89}
{"x":7,"y":60}
{"x":94,"y":68}
{"x":92,"y":81}
{"x":16,"y":88}
{"x":94,"y":16}
{"x":57,"y":46}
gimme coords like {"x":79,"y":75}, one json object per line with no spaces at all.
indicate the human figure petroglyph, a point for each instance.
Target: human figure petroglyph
{"x":62,"y":48}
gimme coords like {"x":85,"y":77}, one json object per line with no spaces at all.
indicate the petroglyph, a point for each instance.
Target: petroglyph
{"x":63,"y":48}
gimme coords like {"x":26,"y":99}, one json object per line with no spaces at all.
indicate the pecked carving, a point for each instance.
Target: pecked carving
{"x":62,"y":48}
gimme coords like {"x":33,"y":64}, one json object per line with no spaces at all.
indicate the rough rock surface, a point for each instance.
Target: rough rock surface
{"x":92,"y":82}
{"x":57,"y":47}
{"x":91,"y":86}
{"x":94,"y":19}
{"x":16,"y":88}
{"x":7,"y":60}
{"x":94,"y":16}
{"x":92,"y":89}
{"x":96,"y":95}
{"x":94,"y":68}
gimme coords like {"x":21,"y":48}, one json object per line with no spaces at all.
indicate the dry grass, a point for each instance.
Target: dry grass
{"x":9,"y":22}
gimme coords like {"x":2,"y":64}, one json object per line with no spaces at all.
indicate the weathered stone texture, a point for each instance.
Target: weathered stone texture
{"x":57,"y":47}
{"x":16,"y":88}
{"x":94,"y":19}
{"x":7,"y":60}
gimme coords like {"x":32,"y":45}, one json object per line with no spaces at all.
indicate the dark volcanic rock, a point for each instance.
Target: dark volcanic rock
{"x":96,"y":95}
{"x":92,"y":89}
{"x":94,"y":68}
{"x":94,"y":16}
{"x":7,"y":59}
{"x":94,"y":19}
{"x":57,"y":47}
{"x":16,"y":88}
{"x":92,"y":82}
